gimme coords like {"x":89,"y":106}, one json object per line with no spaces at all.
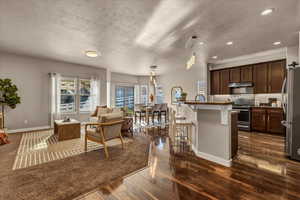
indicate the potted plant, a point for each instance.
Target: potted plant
{"x":8,"y":95}
{"x":183,"y":96}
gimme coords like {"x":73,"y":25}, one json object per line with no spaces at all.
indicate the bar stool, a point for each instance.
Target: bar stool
{"x":156,"y":112}
{"x":139,"y":112}
{"x":164,"y":111}
{"x":180,"y":134}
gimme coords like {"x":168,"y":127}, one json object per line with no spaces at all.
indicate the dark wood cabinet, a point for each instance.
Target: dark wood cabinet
{"x":266,"y":77}
{"x":258,"y":121}
{"x":276,"y":76}
{"x":215,"y":82}
{"x":260,"y":78}
{"x":224,"y":81}
{"x":274,"y":118}
{"x":246,"y":74}
{"x":267,"y":120}
{"x":235,"y":75}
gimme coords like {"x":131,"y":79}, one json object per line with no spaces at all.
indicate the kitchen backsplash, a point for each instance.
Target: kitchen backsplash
{"x":257,"y":98}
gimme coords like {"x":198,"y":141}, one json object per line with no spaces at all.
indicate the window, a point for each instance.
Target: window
{"x":144,"y":94}
{"x":75,"y":95}
{"x":124,"y":97}
{"x":201,"y":87}
{"x":159,"y":94}
{"x":67,"y":95}
{"x":85,"y":95}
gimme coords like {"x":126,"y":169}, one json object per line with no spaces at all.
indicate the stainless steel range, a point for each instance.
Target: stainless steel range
{"x":244,"y":116}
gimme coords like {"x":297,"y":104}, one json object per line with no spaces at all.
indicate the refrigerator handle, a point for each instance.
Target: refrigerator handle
{"x":282,"y":95}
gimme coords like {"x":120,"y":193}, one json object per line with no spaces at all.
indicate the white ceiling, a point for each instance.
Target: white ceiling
{"x":134,"y":34}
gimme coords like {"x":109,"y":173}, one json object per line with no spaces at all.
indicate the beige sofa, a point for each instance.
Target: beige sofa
{"x":104,"y":111}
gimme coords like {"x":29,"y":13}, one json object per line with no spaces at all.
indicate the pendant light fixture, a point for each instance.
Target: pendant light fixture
{"x":189,"y":45}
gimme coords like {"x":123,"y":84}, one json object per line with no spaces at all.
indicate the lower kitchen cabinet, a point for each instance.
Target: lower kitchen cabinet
{"x":267,"y":120}
{"x":258,"y":121}
{"x":274,"y":118}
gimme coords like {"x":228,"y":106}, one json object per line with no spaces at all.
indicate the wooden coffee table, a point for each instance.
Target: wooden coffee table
{"x":67,"y":130}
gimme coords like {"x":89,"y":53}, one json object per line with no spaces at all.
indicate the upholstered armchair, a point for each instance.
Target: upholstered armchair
{"x":107,"y":128}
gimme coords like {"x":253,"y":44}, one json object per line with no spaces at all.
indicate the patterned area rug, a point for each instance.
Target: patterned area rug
{"x":43,"y":146}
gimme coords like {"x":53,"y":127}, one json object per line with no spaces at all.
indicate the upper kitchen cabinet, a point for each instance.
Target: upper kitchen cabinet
{"x":215,"y":82}
{"x":266,"y":77}
{"x":224,"y":81}
{"x":246,"y":74}
{"x":276,"y":76}
{"x":235,"y":75}
{"x":260,"y":78}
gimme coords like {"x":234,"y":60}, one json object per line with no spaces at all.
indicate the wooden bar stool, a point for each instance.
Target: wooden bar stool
{"x":164,"y":112}
{"x":156,"y":112}
{"x":180,"y":134}
{"x":139,"y":112}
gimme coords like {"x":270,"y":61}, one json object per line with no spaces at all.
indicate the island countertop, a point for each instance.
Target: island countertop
{"x":209,"y":103}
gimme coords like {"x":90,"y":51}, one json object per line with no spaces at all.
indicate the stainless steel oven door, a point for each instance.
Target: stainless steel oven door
{"x":244,"y":119}
{"x":244,"y":115}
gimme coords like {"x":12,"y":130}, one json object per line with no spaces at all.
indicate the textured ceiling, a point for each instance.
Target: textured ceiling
{"x":134,"y":34}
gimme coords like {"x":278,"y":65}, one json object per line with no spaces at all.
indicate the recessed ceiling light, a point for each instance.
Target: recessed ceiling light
{"x":277,"y":43}
{"x":229,"y":43}
{"x":201,"y":43}
{"x":267,"y":11}
{"x":214,"y":57}
{"x":91,"y":54}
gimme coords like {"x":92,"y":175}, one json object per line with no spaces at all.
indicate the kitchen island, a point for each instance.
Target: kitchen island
{"x":215,"y":134}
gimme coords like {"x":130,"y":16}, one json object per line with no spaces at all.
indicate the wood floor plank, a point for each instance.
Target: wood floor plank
{"x":261,"y":171}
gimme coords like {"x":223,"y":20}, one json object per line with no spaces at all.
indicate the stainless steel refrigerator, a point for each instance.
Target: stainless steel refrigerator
{"x":291,"y":108}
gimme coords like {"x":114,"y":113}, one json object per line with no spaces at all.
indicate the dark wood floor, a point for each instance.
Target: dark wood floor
{"x":260,"y":171}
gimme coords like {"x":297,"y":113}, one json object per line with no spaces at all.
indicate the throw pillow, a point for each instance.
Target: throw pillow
{"x":3,"y":138}
{"x":102,"y":111}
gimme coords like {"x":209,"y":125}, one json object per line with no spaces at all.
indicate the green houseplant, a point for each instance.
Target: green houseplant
{"x":183,"y":96}
{"x":8,"y":95}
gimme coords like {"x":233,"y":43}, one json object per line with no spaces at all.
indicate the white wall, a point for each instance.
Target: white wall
{"x":292,"y":54}
{"x":118,"y":79}
{"x":180,"y":76}
{"x":264,"y":56}
{"x":31,"y":77}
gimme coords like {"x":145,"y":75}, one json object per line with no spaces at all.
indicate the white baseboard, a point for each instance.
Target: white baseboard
{"x":28,"y":129}
{"x":221,"y":161}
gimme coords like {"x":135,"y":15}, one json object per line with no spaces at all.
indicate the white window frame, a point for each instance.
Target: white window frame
{"x":77,"y":95}
{"x":159,"y":93}
{"x":142,"y":96}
